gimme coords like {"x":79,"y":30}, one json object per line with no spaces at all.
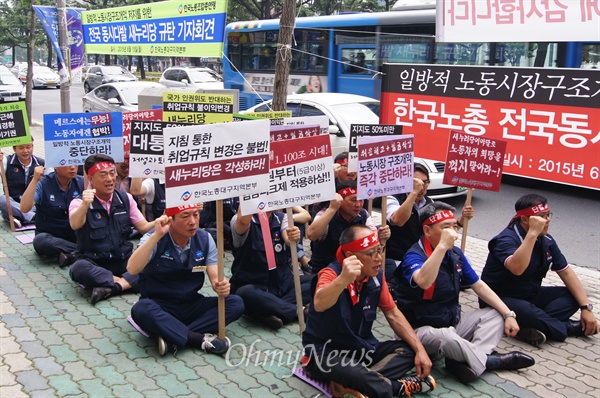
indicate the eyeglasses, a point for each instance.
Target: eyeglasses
{"x":373,"y":253}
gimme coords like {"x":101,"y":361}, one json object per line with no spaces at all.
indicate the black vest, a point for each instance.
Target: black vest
{"x":323,"y":252}
{"x":443,"y":310}
{"x":344,"y":326}
{"x":159,"y":203}
{"x":250,"y":260}
{"x":167,"y":278}
{"x":52,"y":213}
{"x":402,"y":238}
{"x":104,"y":237}
{"x":16,"y":179}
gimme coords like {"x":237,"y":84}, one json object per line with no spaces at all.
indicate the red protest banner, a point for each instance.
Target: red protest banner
{"x":474,"y":162}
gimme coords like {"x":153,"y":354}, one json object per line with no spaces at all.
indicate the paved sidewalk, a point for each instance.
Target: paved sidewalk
{"x":53,"y":343}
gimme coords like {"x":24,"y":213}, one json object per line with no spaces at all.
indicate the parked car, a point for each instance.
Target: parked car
{"x":17,"y":67}
{"x":346,"y":109}
{"x":11,"y":88}
{"x":116,"y":97}
{"x":100,"y":74}
{"x":43,"y":77}
{"x":189,"y":76}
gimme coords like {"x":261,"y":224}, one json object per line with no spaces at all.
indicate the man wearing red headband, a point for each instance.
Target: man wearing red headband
{"x":102,"y":219}
{"x":430,"y":279}
{"x":338,"y":340}
{"x":325,"y":230}
{"x":172,"y":263}
{"x":518,"y":260}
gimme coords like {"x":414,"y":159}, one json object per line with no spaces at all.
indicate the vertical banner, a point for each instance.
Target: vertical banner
{"x":71,"y":137}
{"x":474,"y":162}
{"x":385,"y":166}
{"x":13,"y":129}
{"x":216,"y":161}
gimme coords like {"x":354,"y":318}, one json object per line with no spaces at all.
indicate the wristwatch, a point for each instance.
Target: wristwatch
{"x":510,"y":314}
{"x":588,"y":307}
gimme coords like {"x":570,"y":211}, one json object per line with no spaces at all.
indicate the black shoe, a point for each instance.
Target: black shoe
{"x":65,"y":259}
{"x":100,"y":293}
{"x":574,"y":329}
{"x":531,"y":336}
{"x":514,"y":360}
{"x":307,"y":269}
{"x":271,"y":321}
{"x":461,"y":371}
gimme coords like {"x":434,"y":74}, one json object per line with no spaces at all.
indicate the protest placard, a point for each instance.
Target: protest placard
{"x":69,"y":138}
{"x":474,"y":162}
{"x":279,"y":133}
{"x":385,"y":165}
{"x":216,"y":161}
{"x":128,"y":117}
{"x":301,"y":172}
{"x":367,"y":130}
{"x":13,"y":129}
{"x":195,"y":108}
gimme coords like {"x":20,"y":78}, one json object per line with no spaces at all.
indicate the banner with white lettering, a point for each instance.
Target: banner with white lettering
{"x":385,"y":165}
{"x":69,"y":138}
{"x":548,"y":117}
{"x":301,"y":172}
{"x":216,"y":161}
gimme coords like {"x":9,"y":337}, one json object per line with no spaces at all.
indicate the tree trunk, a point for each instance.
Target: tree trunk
{"x":107,"y":59}
{"x":49,"y":59}
{"x":283,"y":55}
{"x":149,"y":64}
{"x":141,"y":69}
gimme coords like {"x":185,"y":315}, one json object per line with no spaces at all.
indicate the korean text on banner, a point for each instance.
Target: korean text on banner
{"x":194,"y":108}
{"x":216,"y":161}
{"x":385,"y":166}
{"x":301,"y":172}
{"x":474,"y":162}
{"x":187,"y":28}
{"x":148,"y":114}
{"x":367,"y":130}
{"x":69,"y":138}
{"x":13,"y":129}
{"x":549,"y":117}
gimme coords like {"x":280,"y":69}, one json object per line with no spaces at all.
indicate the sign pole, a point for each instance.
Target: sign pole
{"x":297,"y":288}
{"x":220,"y":267}
{"x":463,"y":242}
{"x":383,"y":224}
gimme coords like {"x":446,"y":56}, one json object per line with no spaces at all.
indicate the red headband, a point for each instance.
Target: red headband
{"x":439,"y":217}
{"x":342,"y":161}
{"x":356,"y":246}
{"x":344,"y":192}
{"x":533,"y":210}
{"x":100,"y":166}
{"x":171,"y":211}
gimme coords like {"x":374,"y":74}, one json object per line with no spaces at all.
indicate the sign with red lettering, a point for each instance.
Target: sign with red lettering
{"x":474,"y":162}
{"x":511,"y":21}
{"x":548,"y":117}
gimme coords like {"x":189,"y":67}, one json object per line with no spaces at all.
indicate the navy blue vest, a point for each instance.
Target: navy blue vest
{"x":344,"y":326}
{"x":52,"y":213}
{"x":323,"y":252}
{"x":443,"y":310}
{"x":15,"y":175}
{"x":167,"y":278}
{"x":404,"y":237}
{"x":250,"y":260}
{"x":104,"y":237}
{"x":159,"y":203}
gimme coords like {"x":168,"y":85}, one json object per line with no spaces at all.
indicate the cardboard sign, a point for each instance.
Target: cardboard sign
{"x":193,"y":108}
{"x":474,"y":162}
{"x":13,"y":129}
{"x":385,"y":166}
{"x":216,"y":161}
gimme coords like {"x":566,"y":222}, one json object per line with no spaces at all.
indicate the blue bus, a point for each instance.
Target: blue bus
{"x":343,"y":53}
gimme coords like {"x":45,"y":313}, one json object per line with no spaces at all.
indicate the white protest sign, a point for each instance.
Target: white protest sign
{"x":216,"y":161}
{"x":301,"y":173}
{"x":385,"y":166}
{"x":364,"y":130}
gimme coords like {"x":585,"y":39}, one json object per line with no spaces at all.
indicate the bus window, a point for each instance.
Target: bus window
{"x":358,"y":60}
{"x":526,"y":54}
{"x":590,"y":56}
{"x":462,"y":53}
{"x":413,"y":53}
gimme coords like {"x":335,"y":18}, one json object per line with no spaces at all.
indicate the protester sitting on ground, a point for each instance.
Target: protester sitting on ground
{"x":338,"y":341}
{"x":208,"y":218}
{"x":19,"y":168}
{"x":402,"y":213}
{"x":519,"y":259}
{"x":261,"y":270}
{"x":51,"y":195}
{"x":327,"y":226}
{"x":102,"y":219}
{"x":172,"y":262}
{"x":430,"y":279}
{"x":153,"y":194}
